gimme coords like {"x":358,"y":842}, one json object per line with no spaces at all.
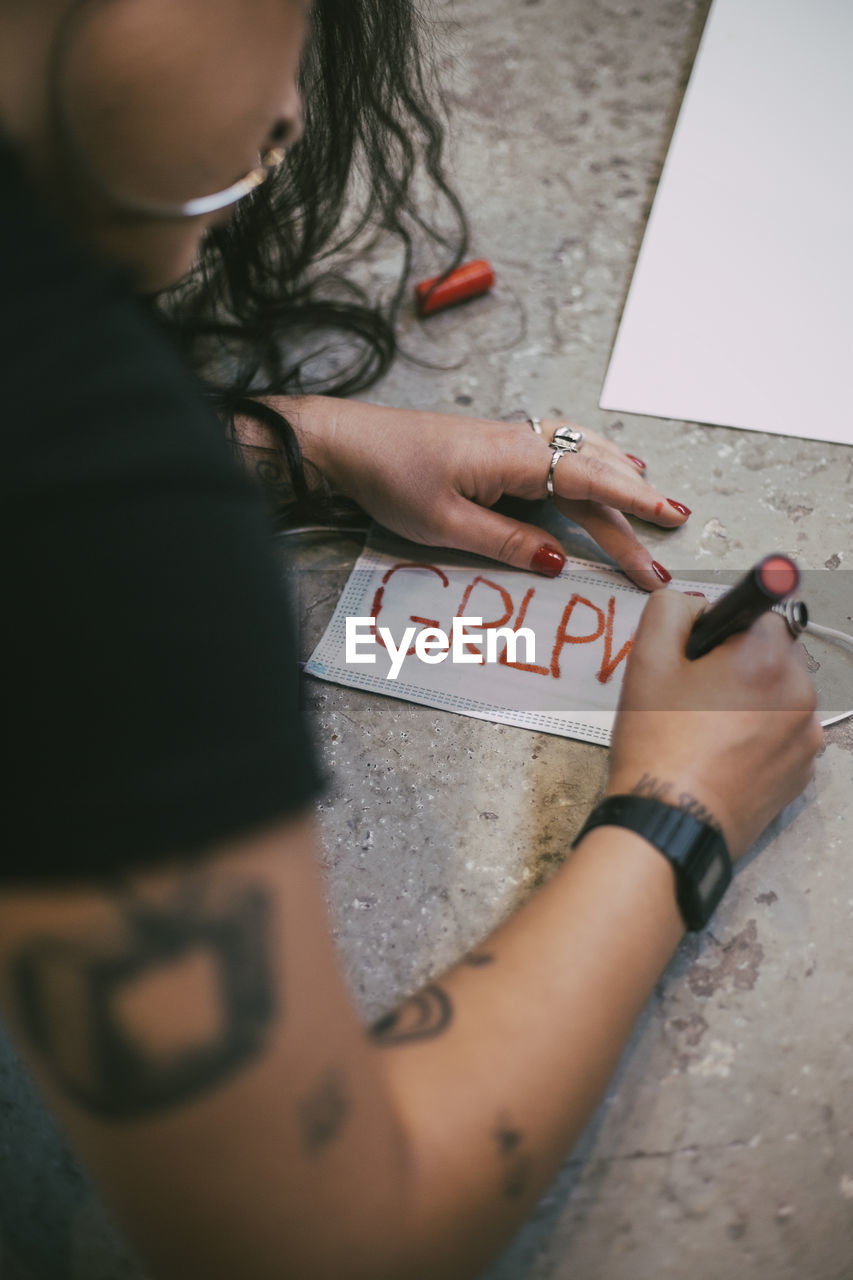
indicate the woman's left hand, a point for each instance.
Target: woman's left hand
{"x":433,"y":478}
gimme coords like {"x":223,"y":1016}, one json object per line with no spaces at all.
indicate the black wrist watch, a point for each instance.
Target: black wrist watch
{"x":697,"y":851}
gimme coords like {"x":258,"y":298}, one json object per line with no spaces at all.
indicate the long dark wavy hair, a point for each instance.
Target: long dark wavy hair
{"x":272,"y":307}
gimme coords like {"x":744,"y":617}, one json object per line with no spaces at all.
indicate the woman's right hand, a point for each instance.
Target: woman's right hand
{"x":731,"y":736}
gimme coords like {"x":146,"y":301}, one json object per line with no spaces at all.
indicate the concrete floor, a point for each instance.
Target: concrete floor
{"x":724,"y":1146}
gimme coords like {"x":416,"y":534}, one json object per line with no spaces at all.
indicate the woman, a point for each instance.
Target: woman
{"x":165,"y":962}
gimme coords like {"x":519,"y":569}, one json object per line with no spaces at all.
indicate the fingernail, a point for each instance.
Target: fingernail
{"x":638,"y":462}
{"x":680,"y":507}
{"x":661,"y":572}
{"x":700,"y":594}
{"x":548,"y":561}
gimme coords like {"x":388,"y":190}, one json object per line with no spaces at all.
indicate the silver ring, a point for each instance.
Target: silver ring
{"x":795,"y":613}
{"x":568,"y":438}
{"x":535,"y":425}
{"x":565,"y":440}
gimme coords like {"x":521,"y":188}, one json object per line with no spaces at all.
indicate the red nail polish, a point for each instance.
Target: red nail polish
{"x":680,"y":507}
{"x":638,"y":462}
{"x":661,"y":572}
{"x":700,"y":594}
{"x":548,"y":561}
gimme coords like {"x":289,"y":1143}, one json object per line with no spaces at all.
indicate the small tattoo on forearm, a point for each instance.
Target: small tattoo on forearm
{"x":422,"y":1017}
{"x":516,"y":1165}
{"x":691,"y":805}
{"x":478,"y":959}
{"x":323,"y":1112}
{"x":660,"y":789}
{"x":650,"y":786}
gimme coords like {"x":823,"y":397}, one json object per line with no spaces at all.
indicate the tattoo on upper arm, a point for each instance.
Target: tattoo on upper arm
{"x":660,"y":789}
{"x":516,"y":1165}
{"x":274,"y":481}
{"x":324,"y":1112}
{"x":422,"y":1017}
{"x":175,"y":998}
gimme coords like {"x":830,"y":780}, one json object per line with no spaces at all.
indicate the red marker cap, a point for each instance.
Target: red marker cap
{"x":779,"y":575}
{"x":467,"y":281}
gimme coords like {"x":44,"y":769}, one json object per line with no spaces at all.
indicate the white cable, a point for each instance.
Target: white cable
{"x":829,"y":633}
{"x":837,"y":637}
{"x":845,"y":715}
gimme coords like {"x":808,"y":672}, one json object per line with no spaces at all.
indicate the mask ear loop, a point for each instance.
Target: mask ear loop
{"x":829,"y":633}
{"x":835,"y":637}
{"x":796,"y":615}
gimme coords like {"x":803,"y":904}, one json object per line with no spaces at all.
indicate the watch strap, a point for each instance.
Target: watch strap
{"x":697,"y":851}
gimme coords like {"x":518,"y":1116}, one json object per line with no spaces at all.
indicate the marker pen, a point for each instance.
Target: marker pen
{"x":767,"y":582}
{"x":466,"y":281}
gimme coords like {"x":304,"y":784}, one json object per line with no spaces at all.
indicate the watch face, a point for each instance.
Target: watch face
{"x":703,"y":875}
{"x":713,"y":881}
{"x":697,"y":852}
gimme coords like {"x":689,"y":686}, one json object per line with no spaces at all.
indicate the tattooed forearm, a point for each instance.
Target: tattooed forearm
{"x":515,"y":1163}
{"x":421,"y":1018}
{"x":478,"y":959}
{"x":324,"y":1112}
{"x":172,"y":1000}
{"x":660,"y":789}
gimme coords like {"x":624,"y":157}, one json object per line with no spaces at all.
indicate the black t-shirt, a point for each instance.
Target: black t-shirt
{"x":150,"y":674}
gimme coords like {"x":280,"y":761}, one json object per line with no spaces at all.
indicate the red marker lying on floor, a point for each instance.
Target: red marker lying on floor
{"x":767,"y":582}
{"x":466,"y":281}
